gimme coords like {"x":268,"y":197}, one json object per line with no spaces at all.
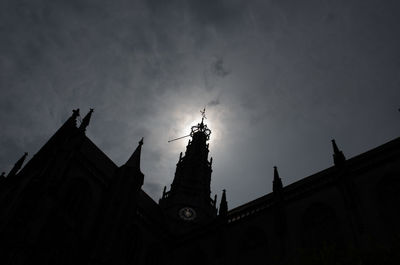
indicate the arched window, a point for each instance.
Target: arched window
{"x":320,"y":225}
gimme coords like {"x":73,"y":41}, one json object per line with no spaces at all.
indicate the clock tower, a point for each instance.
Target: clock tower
{"x":187,"y":204}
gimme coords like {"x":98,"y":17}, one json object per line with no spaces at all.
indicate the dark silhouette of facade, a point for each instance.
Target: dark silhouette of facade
{"x":70,"y":204}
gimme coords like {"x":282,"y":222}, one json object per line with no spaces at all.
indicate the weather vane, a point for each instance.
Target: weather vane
{"x":203,"y":113}
{"x":199,"y":127}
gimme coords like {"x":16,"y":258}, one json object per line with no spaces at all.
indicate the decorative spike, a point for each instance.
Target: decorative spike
{"x":338,"y":156}
{"x":75,"y":113}
{"x":134,"y":160}
{"x":71,"y":121}
{"x":215,"y":200}
{"x":223,"y":206}
{"x":164,"y":191}
{"x":17,"y":166}
{"x":86,"y":120}
{"x":277,"y":182}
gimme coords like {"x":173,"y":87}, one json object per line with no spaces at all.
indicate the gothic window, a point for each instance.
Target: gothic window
{"x":320,"y":226}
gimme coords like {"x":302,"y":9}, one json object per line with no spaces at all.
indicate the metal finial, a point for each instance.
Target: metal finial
{"x":203,"y":114}
{"x":200,"y":127}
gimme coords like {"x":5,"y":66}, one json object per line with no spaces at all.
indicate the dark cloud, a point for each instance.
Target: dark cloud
{"x":218,"y":68}
{"x":290,"y":75}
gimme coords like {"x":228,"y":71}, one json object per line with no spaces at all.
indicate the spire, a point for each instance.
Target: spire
{"x":191,"y":183}
{"x":134,"y":160}
{"x":86,"y":120}
{"x":17,"y":166}
{"x":131,"y":172}
{"x":338,"y":156}
{"x":277,"y":182}
{"x":223,"y":206}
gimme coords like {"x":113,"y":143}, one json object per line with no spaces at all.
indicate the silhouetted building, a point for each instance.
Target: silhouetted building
{"x":70,"y":204}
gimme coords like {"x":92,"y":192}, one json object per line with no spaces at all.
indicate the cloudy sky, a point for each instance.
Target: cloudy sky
{"x":280,"y":79}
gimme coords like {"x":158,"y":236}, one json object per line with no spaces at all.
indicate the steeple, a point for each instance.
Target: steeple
{"x":86,"y":120}
{"x":188,"y":200}
{"x":194,"y":167}
{"x":223,"y":206}
{"x":338,"y":156}
{"x":277,"y":182}
{"x":17,"y":166}
{"x":134,"y":160}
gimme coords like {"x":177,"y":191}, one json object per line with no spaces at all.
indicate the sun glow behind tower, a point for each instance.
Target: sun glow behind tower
{"x":190,"y":119}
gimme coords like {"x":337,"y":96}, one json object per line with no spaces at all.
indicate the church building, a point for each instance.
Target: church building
{"x":71,"y":204}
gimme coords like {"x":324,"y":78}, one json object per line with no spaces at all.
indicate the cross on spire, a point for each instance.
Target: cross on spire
{"x":203,"y":114}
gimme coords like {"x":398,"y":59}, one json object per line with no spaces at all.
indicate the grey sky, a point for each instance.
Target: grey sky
{"x":280,"y":78}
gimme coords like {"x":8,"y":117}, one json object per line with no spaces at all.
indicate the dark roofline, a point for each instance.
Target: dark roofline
{"x":319,"y":178}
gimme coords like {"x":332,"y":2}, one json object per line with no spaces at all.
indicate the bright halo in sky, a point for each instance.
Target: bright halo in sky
{"x":185,"y":123}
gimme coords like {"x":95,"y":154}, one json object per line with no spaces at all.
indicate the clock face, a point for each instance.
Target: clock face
{"x":187,"y":213}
